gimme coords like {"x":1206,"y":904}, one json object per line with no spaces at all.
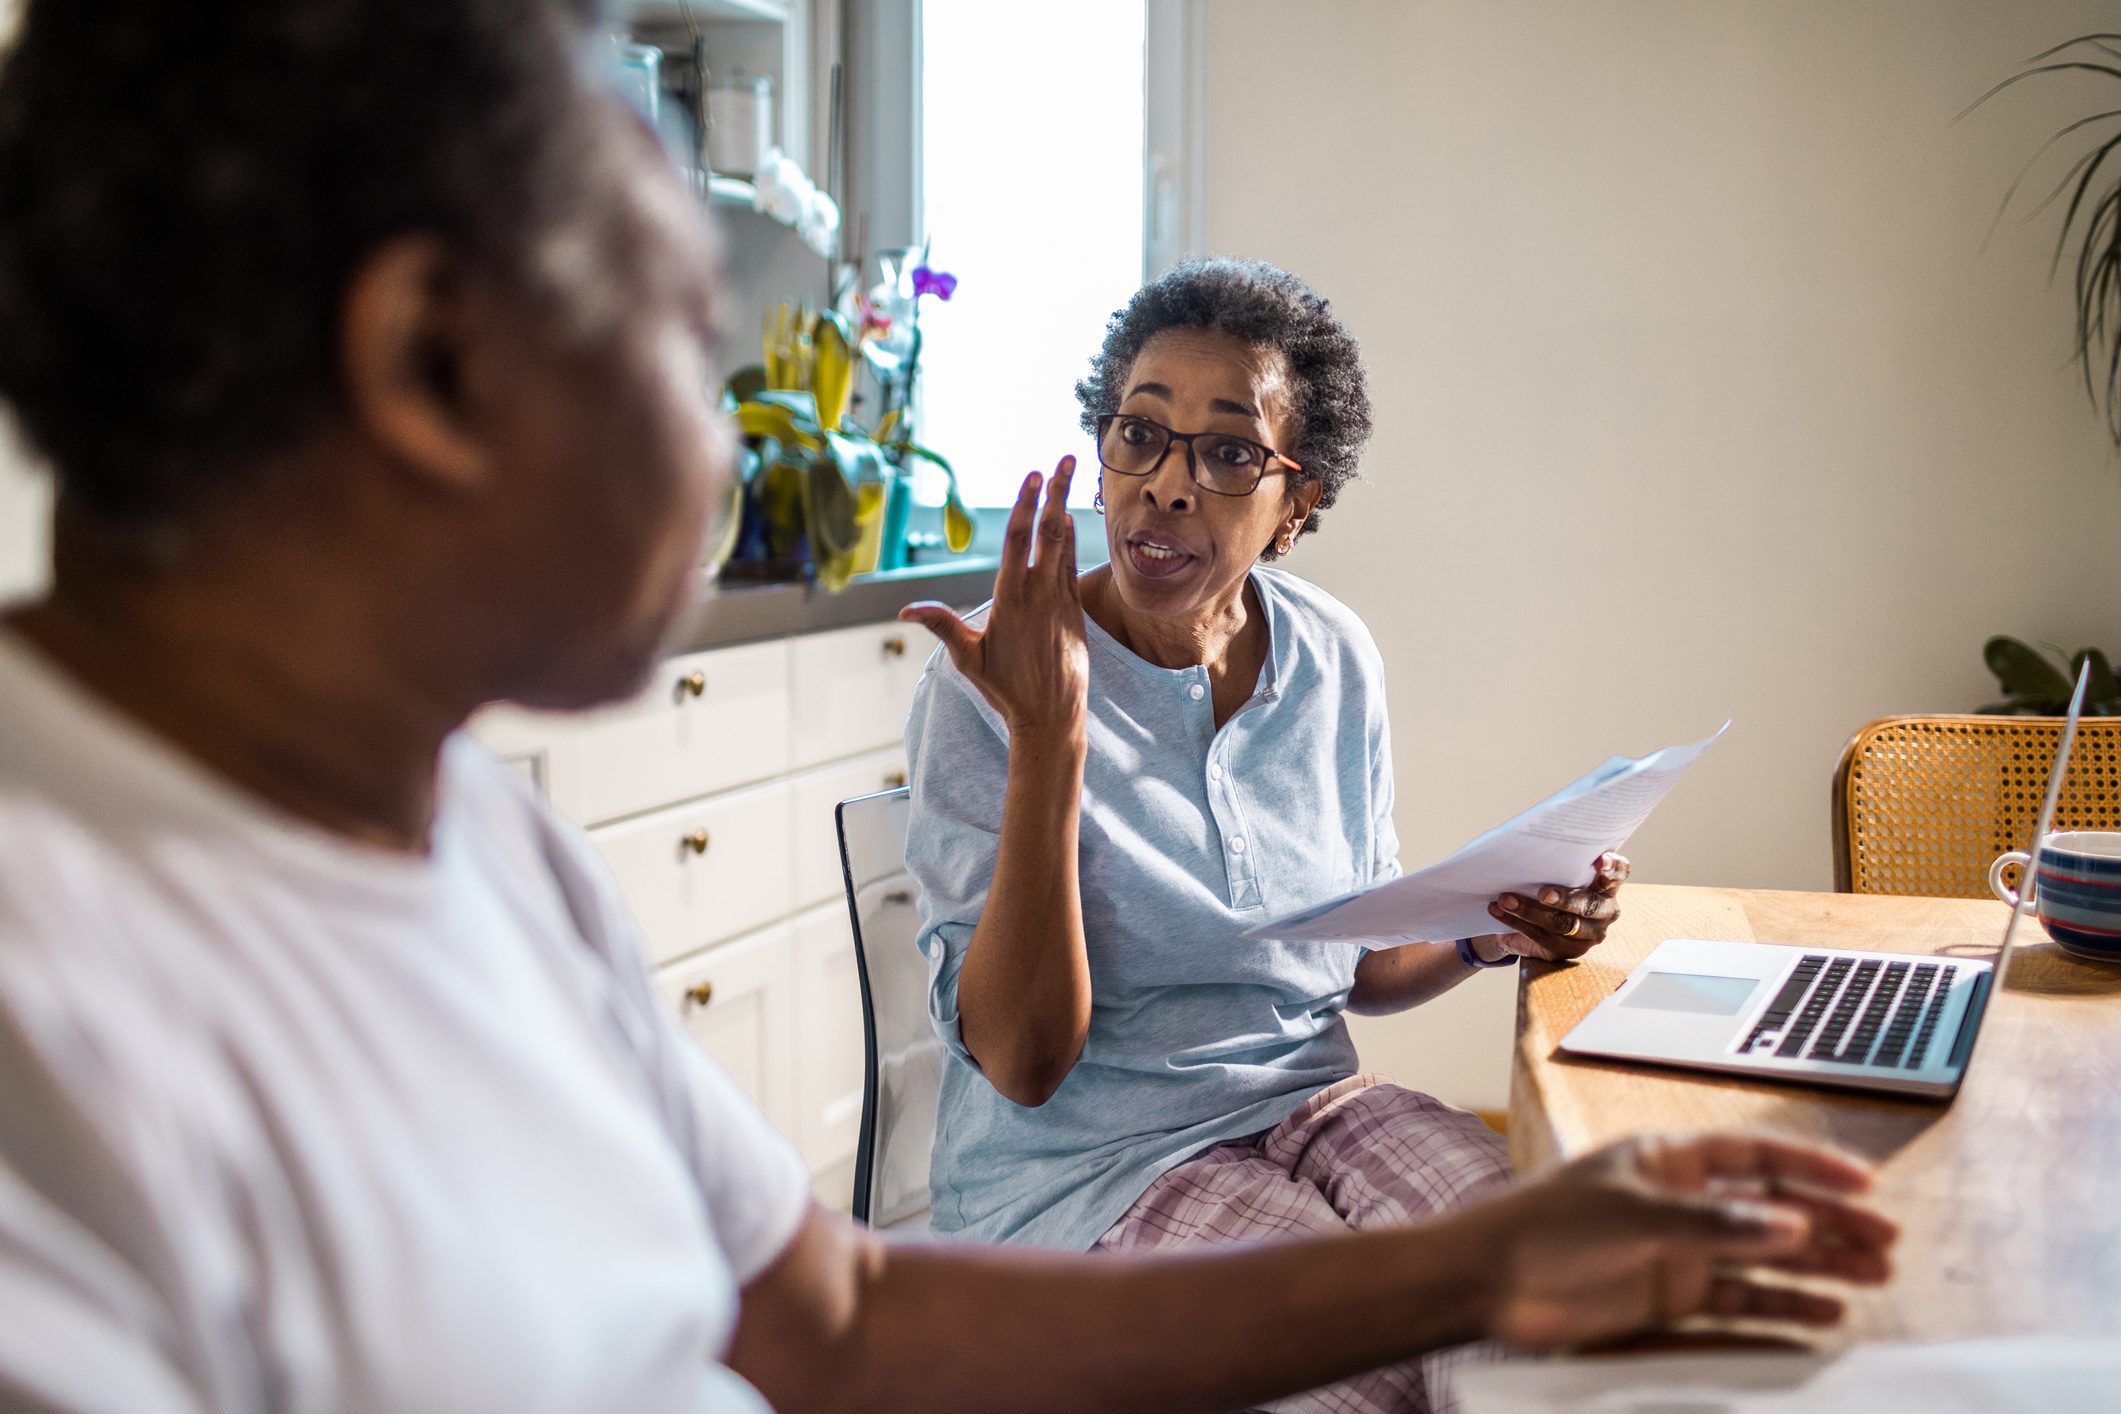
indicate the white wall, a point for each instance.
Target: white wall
{"x":1698,"y":395}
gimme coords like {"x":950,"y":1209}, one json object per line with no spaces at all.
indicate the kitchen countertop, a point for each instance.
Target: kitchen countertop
{"x":747,"y":613}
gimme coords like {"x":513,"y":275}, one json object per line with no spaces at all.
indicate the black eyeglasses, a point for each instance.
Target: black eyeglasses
{"x":1217,"y":461}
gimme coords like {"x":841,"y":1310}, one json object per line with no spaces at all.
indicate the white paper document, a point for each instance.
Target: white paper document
{"x":1555,"y":842}
{"x":2005,"y":1375}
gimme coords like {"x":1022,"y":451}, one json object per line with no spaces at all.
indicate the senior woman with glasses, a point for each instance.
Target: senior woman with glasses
{"x":1114,"y":776}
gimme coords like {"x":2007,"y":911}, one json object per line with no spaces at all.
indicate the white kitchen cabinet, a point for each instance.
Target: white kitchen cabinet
{"x":846,"y":684}
{"x":817,"y":842}
{"x":828,"y":1029}
{"x":706,"y":870}
{"x":707,"y":721}
{"x":542,"y":746}
{"x":738,"y":1000}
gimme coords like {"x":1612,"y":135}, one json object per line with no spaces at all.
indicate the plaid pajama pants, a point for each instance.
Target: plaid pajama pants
{"x":1362,"y":1153}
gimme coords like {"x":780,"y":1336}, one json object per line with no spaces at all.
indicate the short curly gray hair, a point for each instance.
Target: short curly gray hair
{"x":1267,"y":307}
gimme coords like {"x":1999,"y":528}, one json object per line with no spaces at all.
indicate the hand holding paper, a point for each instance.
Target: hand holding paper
{"x":1554,"y":842}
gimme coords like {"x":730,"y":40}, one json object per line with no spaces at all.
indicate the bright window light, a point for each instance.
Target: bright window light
{"x":1031,"y":159}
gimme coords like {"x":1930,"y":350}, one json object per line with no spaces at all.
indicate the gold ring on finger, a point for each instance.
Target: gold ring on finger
{"x":1575,"y":926}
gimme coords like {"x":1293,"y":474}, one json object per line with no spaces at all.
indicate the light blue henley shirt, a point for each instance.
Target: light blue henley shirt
{"x":1190,"y":835}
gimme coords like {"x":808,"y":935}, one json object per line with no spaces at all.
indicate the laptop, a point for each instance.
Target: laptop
{"x":1903,"y":1023}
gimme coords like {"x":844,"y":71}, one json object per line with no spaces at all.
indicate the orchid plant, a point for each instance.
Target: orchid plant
{"x":816,"y":481}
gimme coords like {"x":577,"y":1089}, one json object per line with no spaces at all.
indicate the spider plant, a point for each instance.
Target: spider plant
{"x":2091,"y":225}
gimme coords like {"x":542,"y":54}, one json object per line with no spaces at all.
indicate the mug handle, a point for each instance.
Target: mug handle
{"x":1995,"y":874}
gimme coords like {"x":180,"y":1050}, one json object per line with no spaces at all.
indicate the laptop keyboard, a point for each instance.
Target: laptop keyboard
{"x":1854,"y":1012}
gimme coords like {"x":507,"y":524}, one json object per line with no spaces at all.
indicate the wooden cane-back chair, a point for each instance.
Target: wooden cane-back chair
{"x":1923,"y":805}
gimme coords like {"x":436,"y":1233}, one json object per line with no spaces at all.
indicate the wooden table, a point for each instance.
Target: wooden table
{"x":2009,"y":1198}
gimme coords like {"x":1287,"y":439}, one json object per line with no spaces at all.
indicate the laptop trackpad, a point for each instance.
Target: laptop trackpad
{"x":1688,"y":991}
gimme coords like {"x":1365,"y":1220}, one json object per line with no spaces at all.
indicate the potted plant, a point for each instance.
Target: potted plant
{"x":2039,"y":684}
{"x":2090,"y":236}
{"x":821,"y":495}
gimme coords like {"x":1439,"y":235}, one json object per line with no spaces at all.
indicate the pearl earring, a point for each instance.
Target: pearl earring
{"x":1099,"y":500}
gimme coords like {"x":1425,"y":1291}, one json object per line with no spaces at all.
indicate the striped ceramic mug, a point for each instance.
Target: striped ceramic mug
{"x":2076,"y":890}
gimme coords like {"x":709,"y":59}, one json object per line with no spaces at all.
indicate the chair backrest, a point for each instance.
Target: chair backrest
{"x":903,"y":1059}
{"x":1922,"y":805}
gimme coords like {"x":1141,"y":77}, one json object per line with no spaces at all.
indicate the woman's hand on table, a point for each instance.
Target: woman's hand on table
{"x":1561,"y":923}
{"x":1649,"y":1230}
{"x":1032,"y":659}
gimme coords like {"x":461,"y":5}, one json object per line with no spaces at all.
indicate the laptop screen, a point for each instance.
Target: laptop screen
{"x":2045,"y":823}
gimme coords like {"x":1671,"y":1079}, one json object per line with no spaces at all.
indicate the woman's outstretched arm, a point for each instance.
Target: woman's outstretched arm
{"x":1023,"y":992}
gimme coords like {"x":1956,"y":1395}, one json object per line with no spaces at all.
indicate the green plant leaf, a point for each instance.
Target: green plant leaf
{"x":801,"y":406}
{"x":2102,"y":688}
{"x":746,"y":383}
{"x":2037,"y":69}
{"x":2091,"y":224}
{"x":2069,"y":178}
{"x":830,"y":503}
{"x":861,"y":460}
{"x":835,"y":571}
{"x":830,"y":506}
{"x":832,"y":375}
{"x":958,"y":524}
{"x":780,"y":502}
{"x":763,"y":418}
{"x":2024,"y":671}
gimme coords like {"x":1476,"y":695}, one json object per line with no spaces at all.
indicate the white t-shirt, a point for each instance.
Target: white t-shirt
{"x":292,"y":1124}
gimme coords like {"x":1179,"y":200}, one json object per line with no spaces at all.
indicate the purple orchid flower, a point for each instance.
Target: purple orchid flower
{"x":940,"y":283}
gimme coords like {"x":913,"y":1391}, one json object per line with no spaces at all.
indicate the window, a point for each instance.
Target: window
{"x":1031,"y":194}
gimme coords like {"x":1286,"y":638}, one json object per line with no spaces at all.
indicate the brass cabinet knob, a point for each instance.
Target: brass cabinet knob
{"x":694,"y":843}
{"x":895,"y":646}
{"x":699,"y":995}
{"x":894,"y":779}
{"x":693,"y":684}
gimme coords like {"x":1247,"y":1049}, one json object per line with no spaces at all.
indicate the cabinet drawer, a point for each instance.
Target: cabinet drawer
{"x":541,"y":745}
{"x":706,"y":722}
{"x":702,"y":872}
{"x":818,"y":876}
{"x":852,"y":687}
{"x":737,"y":1001}
{"x":828,"y":1021}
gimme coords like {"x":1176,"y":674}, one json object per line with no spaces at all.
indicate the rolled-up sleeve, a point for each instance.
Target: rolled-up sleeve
{"x":957,"y":763}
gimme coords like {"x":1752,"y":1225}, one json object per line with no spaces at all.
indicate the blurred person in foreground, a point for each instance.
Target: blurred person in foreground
{"x":370,"y":344}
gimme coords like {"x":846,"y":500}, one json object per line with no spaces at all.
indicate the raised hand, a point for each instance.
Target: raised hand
{"x":1646,"y":1231}
{"x":1031,"y":660}
{"x":1561,"y":923}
